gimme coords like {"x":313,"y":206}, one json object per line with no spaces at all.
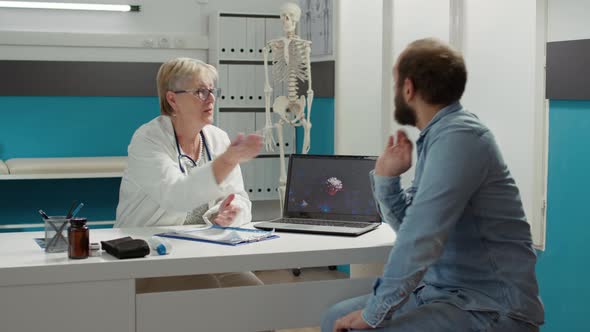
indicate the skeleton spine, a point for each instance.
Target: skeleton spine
{"x":292,"y":85}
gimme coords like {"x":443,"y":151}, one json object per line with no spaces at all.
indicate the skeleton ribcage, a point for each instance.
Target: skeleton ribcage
{"x":295,"y":70}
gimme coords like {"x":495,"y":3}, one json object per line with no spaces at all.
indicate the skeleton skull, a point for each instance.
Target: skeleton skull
{"x":290,"y":15}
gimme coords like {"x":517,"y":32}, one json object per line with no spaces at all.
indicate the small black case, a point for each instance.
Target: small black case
{"x":126,"y":247}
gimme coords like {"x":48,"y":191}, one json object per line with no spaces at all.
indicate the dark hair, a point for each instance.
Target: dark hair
{"x":437,"y":71}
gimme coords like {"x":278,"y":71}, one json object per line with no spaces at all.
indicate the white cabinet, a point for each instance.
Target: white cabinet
{"x":236,"y":42}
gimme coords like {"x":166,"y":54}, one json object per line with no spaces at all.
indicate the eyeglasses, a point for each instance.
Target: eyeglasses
{"x":202,"y":93}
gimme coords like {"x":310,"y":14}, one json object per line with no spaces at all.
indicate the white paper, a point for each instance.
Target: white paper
{"x":224,"y":235}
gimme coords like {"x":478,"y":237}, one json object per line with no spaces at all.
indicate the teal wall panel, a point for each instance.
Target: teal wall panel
{"x":21,"y":199}
{"x":322,"y":130}
{"x":36,"y":127}
{"x":563,"y":267}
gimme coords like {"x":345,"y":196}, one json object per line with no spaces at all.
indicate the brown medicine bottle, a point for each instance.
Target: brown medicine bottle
{"x":79,"y":239}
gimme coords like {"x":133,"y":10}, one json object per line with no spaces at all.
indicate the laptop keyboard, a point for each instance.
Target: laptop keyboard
{"x":317,"y":222}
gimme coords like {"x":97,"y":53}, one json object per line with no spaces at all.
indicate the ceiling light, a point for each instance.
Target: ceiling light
{"x":70,"y":6}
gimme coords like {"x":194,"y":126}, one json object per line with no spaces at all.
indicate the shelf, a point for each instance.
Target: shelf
{"x":249,"y":15}
{"x":240,"y":109}
{"x":272,"y":155}
{"x":61,"y":176}
{"x":64,"y":168}
{"x":41,"y":225}
{"x":3,"y":168}
{"x":243,"y":62}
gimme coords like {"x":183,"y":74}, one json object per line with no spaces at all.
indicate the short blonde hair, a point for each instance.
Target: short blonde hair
{"x":176,"y":73}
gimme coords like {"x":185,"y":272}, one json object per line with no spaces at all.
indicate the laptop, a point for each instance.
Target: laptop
{"x":327,"y":195}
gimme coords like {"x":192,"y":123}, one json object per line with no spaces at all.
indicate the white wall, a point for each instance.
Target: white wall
{"x":366,"y":52}
{"x":155,"y":16}
{"x":414,"y":19}
{"x":105,"y":36}
{"x":502,"y":87}
{"x":568,"y":20}
{"x":505,"y":81}
{"x":357,"y":110}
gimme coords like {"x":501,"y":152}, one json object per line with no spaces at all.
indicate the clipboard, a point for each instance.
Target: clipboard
{"x":231,"y":236}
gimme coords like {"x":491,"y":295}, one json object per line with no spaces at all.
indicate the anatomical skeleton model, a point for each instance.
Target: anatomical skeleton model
{"x":291,"y":64}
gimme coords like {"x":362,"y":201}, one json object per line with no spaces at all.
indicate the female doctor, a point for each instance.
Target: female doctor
{"x":181,"y":167}
{"x":183,"y":170}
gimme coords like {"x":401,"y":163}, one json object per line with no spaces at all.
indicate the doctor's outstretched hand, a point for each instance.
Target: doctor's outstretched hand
{"x":244,"y":148}
{"x":241,"y":149}
{"x":396,"y":159}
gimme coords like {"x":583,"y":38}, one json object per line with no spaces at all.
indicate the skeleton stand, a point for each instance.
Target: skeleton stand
{"x":291,"y":63}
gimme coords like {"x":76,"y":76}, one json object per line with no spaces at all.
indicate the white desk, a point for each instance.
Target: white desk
{"x":49,"y":292}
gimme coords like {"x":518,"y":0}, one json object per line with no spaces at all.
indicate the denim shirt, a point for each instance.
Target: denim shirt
{"x":462,"y":235}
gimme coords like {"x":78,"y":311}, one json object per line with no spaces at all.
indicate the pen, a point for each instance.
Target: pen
{"x":43,"y":214}
{"x":69,"y":214}
{"x":77,"y":210}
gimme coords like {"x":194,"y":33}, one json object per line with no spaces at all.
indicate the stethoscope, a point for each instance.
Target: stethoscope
{"x":191,"y":160}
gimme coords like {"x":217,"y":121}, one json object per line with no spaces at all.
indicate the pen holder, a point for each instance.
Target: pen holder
{"x":56,"y":238}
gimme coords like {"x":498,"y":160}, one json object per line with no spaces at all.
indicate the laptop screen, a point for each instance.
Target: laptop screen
{"x":330,"y":187}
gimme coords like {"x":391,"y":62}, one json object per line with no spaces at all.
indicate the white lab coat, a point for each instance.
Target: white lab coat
{"x":154,"y":192}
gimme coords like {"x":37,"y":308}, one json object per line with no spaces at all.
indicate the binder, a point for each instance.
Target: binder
{"x":248,"y":176}
{"x":255,"y":40}
{"x":233,"y":37}
{"x":250,"y":85}
{"x":259,"y":37}
{"x":271,"y":178}
{"x":260,"y":80}
{"x":223,"y":85}
{"x":225,"y":39}
{"x":233,"y":86}
{"x":231,"y":236}
{"x":238,"y":79}
{"x":256,"y":179}
{"x":237,"y":122}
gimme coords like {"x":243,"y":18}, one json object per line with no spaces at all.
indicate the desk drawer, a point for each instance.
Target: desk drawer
{"x":93,"y":306}
{"x":251,"y":308}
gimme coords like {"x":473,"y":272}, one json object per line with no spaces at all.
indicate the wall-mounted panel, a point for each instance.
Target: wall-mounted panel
{"x":72,"y":78}
{"x":568,"y":70}
{"x":322,"y":79}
